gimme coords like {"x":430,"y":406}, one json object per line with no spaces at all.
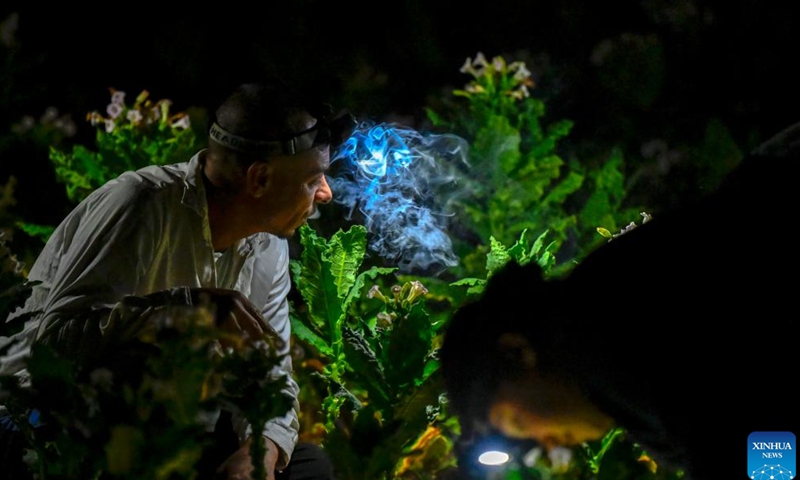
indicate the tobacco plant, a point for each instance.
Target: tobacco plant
{"x":518,"y":179}
{"x":383,"y":403}
{"x":128,"y":137}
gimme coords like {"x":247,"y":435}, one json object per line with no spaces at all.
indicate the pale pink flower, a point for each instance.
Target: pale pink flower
{"x":113,"y":110}
{"x":109,"y":125}
{"x":375,"y":292}
{"x":118,"y":97}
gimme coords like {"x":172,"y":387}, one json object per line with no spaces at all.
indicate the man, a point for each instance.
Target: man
{"x":680,"y":331}
{"x":215,"y":226}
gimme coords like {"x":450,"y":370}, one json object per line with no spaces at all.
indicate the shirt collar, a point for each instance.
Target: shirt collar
{"x":194,"y":191}
{"x":194,"y":197}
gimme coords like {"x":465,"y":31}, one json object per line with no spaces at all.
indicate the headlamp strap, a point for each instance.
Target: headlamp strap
{"x":245,"y":145}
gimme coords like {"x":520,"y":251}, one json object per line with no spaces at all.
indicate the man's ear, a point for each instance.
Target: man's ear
{"x":258,"y":176}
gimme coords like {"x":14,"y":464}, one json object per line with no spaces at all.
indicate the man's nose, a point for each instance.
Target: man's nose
{"x":324,"y":193}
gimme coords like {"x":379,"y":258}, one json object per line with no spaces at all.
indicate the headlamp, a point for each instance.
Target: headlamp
{"x":330,"y":131}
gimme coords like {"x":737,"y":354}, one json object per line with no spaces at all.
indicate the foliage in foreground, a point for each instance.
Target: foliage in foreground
{"x":138,"y":408}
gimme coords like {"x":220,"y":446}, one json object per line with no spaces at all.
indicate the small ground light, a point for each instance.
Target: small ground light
{"x":493,"y":457}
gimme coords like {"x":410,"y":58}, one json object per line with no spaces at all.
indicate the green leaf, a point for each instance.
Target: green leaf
{"x":303,"y":332}
{"x":42,"y":232}
{"x":317,"y":285}
{"x":364,"y":363}
{"x":345,"y":254}
{"x":409,"y":344}
{"x":497,"y":257}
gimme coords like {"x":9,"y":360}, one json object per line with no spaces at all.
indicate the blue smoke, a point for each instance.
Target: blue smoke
{"x":402,"y":183}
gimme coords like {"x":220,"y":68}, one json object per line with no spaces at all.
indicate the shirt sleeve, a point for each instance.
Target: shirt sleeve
{"x":270,"y":286}
{"x":110,"y":236}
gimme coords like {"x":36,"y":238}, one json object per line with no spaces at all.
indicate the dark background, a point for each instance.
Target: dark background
{"x":676,"y":64}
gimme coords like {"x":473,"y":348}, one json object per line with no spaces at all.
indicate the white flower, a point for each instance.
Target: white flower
{"x":477,"y":67}
{"x":467,"y":67}
{"x":521,"y":72}
{"x":113,"y":110}
{"x":95,"y":118}
{"x":520,"y":93}
{"x":118,"y":97}
{"x":109,"y":125}
{"x":181,"y":123}
{"x":480,"y":60}
{"x":498,"y":63}
{"x":374,"y":292}
{"x":134,"y":116}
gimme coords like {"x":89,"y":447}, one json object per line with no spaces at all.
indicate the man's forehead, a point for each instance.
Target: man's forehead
{"x":309,"y":162}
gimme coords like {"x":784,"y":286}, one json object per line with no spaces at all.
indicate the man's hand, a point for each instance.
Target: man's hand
{"x":235,"y":314}
{"x":240,"y":467}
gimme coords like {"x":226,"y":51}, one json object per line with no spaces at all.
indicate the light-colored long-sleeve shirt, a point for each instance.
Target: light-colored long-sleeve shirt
{"x":144,"y":232}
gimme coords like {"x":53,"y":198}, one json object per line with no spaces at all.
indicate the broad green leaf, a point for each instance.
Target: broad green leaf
{"x":317,"y":285}
{"x":345,"y":254}
{"x":409,"y":344}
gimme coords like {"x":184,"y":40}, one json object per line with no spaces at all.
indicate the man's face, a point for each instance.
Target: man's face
{"x":295,"y":185}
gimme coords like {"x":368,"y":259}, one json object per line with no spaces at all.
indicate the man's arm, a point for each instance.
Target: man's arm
{"x":269,"y":288}
{"x":94,"y":258}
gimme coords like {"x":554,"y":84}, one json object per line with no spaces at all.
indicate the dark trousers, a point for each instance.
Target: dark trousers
{"x":308,"y":462}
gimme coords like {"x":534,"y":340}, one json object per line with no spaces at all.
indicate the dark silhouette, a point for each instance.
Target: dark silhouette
{"x":682,"y":331}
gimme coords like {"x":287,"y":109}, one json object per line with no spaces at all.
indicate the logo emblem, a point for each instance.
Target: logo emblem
{"x":771,"y":456}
